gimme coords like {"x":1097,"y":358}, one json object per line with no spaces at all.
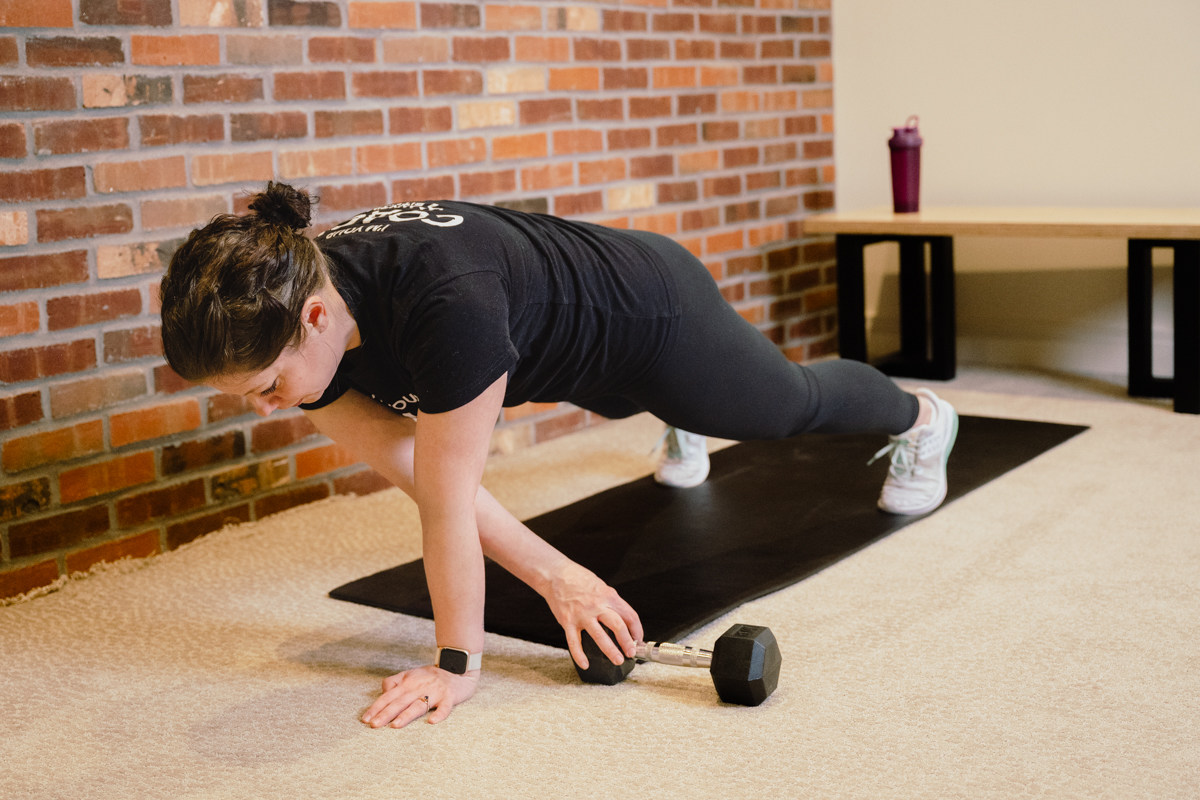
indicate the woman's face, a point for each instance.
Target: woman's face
{"x":299,"y":375}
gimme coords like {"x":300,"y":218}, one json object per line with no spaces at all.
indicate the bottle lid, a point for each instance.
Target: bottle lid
{"x":906,"y":136}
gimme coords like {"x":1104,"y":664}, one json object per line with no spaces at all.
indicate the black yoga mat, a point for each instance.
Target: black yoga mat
{"x":770,"y":514}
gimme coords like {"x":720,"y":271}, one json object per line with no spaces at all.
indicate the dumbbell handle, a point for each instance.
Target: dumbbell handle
{"x":679,"y":655}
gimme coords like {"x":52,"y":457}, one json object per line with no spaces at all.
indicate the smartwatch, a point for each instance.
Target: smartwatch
{"x":457,"y":661}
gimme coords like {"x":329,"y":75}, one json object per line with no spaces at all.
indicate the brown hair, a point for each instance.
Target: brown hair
{"x":234,"y":292}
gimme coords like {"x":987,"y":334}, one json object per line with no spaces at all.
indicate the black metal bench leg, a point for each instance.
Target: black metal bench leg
{"x":1141,"y":322}
{"x":1187,"y":327}
{"x":852,"y":323}
{"x":941,"y":291}
{"x":1184,"y":387}
{"x":914,"y":315}
{"x":925,"y":328}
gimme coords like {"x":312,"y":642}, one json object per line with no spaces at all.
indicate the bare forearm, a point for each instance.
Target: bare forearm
{"x":449,"y":452}
{"x":576,"y":596}
{"x":454,"y":572}
{"x":508,"y":542}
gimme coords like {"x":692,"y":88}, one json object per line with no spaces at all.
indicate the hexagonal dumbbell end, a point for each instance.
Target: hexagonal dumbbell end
{"x":600,"y":669}
{"x":745,"y":664}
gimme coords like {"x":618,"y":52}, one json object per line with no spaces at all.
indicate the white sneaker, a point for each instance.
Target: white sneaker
{"x":916,"y":481}
{"x":684,"y":461}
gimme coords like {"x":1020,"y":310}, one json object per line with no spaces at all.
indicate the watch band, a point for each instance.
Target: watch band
{"x":457,"y":660}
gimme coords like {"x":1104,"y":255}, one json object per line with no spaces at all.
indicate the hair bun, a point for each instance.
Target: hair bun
{"x":281,"y":204}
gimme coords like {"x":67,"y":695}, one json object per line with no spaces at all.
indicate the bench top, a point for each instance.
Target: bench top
{"x":1122,"y":223}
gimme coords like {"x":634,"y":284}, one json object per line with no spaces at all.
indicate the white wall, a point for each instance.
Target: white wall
{"x":1025,"y":102}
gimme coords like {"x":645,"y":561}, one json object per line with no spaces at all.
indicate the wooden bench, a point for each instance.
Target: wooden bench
{"x":927,"y":335}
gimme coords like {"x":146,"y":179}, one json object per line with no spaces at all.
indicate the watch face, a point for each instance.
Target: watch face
{"x":453,"y":660}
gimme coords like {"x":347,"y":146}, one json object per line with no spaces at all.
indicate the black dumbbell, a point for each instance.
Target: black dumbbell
{"x":744,"y":663}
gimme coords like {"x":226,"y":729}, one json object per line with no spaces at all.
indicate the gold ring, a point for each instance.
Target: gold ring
{"x":425,"y":699}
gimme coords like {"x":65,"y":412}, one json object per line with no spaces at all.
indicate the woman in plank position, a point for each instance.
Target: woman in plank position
{"x":404,"y":330}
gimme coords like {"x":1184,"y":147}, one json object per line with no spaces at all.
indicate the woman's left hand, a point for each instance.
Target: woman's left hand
{"x":409,"y":695}
{"x":582,"y":602}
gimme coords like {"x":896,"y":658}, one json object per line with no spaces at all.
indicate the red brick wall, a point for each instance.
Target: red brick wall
{"x":124,"y":126}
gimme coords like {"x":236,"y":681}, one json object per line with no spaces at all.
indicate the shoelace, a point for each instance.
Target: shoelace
{"x":905,"y":454}
{"x":671,"y":437}
{"x":658,"y":444}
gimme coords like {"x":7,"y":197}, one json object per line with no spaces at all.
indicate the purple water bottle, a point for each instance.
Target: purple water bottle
{"x":905,"y":145}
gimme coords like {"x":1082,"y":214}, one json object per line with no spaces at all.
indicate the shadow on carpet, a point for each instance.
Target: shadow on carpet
{"x":770,"y":514}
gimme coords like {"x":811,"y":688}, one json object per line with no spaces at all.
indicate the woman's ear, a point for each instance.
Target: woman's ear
{"x":314,"y":316}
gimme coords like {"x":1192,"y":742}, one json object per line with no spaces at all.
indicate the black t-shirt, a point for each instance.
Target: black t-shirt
{"x":449,"y":296}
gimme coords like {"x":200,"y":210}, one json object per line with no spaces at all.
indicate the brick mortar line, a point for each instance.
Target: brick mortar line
{"x":381,"y":64}
{"x":306,"y":33}
{"x":49,"y":424}
{"x":394,"y":102}
{"x":205,"y":473}
{"x":56,"y":161}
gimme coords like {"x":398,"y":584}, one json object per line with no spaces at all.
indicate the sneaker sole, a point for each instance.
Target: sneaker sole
{"x":925,"y":509}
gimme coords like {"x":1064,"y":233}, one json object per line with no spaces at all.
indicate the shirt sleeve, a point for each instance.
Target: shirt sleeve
{"x":456,"y":341}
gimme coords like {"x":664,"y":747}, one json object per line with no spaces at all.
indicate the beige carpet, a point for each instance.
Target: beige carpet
{"x":1036,"y":638}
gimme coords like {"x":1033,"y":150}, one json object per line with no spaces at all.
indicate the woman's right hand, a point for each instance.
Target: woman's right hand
{"x":581,"y":601}
{"x":408,"y":696}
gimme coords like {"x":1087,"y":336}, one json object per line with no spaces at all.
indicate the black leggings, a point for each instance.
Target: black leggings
{"x":723,"y":378}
